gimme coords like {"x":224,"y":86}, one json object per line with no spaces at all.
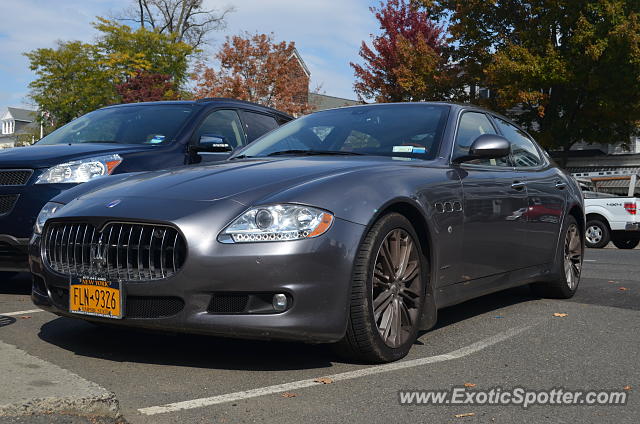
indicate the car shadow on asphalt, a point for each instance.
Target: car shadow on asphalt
{"x":189,"y":350}
{"x":132,"y":345}
{"x":483,"y":305}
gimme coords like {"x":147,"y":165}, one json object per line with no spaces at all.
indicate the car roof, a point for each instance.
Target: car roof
{"x":221,"y":101}
{"x":453,"y":105}
{"x":432,"y":103}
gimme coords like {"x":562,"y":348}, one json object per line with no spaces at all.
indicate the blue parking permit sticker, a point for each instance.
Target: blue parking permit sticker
{"x":157,"y":139}
{"x":419,"y":150}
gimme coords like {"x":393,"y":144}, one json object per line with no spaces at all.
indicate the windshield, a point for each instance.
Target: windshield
{"x":140,"y":124}
{"x":405,"y":130}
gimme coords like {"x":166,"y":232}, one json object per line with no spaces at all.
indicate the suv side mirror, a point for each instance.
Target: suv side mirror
{"x":487,"y":146}
{"x":213,"y":143}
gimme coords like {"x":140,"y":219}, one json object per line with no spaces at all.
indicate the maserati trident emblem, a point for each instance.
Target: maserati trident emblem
{"x":114,"y":203}
{"x":99,"y":255}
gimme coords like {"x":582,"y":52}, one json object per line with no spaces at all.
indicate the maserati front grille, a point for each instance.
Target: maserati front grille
{"x":118,"y":251}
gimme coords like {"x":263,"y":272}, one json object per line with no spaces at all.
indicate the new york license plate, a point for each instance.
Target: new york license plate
{"x":95,"y":296}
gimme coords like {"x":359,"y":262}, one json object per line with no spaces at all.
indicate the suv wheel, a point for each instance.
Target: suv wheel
{"x":626,"y":243}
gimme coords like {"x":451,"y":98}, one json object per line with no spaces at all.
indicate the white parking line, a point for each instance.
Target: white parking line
{"x":294,"y":385}
{"x":12,"y":314}
{"x":589,"y":260}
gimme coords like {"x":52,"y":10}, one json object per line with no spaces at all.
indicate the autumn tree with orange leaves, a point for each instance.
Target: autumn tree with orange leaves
{"x":257,"y":69}
{"x":406,"y":61}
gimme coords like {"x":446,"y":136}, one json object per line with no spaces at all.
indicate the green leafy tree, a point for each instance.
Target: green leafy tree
{"x":75,"y":78}
{"x":568,"y":70}
{"x":125,"y":51}
{"x":71,"y":81}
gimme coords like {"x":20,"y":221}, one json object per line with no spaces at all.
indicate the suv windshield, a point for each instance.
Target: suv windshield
{"x":406,"y":130}
{"x":139,"y":124}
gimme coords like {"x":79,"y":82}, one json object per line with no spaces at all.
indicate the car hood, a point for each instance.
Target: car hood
{"x":44,"y":156}
{"x":244,"y":180}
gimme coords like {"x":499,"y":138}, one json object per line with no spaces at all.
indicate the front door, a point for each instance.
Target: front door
{"x":546,"y":191}
{"x":223,"y":123}
{"x":495,"y":205}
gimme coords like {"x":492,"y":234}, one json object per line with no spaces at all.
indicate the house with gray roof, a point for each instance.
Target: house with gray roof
{"x":15,"y":121}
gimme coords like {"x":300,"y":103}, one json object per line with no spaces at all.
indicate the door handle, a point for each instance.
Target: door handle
{"x":518,"y":185}
{"x":560,"y":185}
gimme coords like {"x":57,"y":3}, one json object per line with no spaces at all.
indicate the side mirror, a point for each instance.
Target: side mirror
{"x":213,"y":143}
{"x":487,"y":146}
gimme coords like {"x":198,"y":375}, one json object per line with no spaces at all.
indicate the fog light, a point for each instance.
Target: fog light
{"x":280,"y":302}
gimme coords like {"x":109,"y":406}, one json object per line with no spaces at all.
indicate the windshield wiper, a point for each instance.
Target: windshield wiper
{"x":314,"y":153}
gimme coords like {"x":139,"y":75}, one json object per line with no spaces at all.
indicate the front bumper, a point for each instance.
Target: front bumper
{"x":314,"y":273}
{"x":14,"y":253}
{"x":16,"y":225}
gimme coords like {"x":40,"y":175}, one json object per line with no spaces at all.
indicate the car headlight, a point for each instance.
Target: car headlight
{"x":80,"y":171}
{"x":48,"y":210}
{"x":277,"y":223}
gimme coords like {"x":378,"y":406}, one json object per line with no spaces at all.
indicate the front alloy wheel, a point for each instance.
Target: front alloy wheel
{"x":388,"y":291}
{"x":397,"y":288}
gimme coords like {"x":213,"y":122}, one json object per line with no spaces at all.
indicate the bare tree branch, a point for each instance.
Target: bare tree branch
{"x":186,"y":19}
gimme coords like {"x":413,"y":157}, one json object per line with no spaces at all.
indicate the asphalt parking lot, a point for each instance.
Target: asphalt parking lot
{"x":507,"y":339}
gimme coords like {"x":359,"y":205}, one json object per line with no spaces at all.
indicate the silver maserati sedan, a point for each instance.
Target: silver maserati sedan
{"x":350,"y":226}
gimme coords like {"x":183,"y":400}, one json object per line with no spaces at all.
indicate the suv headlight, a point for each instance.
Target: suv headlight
{"x":277,"y":223}
{"x":80,"y":171}
{"x":48,"y":210}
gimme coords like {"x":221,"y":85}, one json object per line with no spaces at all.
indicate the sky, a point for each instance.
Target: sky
{"x":327,"y":33}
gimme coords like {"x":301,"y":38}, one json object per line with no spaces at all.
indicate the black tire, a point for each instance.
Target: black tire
{"x":363,"y":340}
{"x":597,"y":241}
{"x":626,"y":243}
{"x":560,"y":287}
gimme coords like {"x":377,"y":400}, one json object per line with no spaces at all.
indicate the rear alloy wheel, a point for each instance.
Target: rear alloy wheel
{"x":597,"y":234}
{"x":388,"y":293}
{"x":626,"y":243}
{"x":569,"y":258}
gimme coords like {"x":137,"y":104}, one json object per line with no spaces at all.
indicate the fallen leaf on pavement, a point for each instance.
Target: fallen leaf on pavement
{"x":323,"y":380}
{"x":560,"y":314}
{"x":467,"y":414}
{"x":627,"y":388}
{"x":25,"y":317}
{"x":469,"y":385}
{"x":289,"y":395}
{"x":622,"y":288}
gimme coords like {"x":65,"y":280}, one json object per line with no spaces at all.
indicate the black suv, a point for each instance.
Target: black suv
{"x":115,"y":140}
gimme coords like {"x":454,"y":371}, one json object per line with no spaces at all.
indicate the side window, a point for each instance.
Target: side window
{"x":473,"y":125}
{"x":224,"y":123}
{"x":523,"y":152}
{"x":258,"y":124}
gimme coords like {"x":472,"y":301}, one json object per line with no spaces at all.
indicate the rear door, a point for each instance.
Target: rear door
{"x":495,"y":203}
{"x":546,"y":191}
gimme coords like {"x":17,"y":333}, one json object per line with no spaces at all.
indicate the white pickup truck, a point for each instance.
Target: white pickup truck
{"x":611,"y":218}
